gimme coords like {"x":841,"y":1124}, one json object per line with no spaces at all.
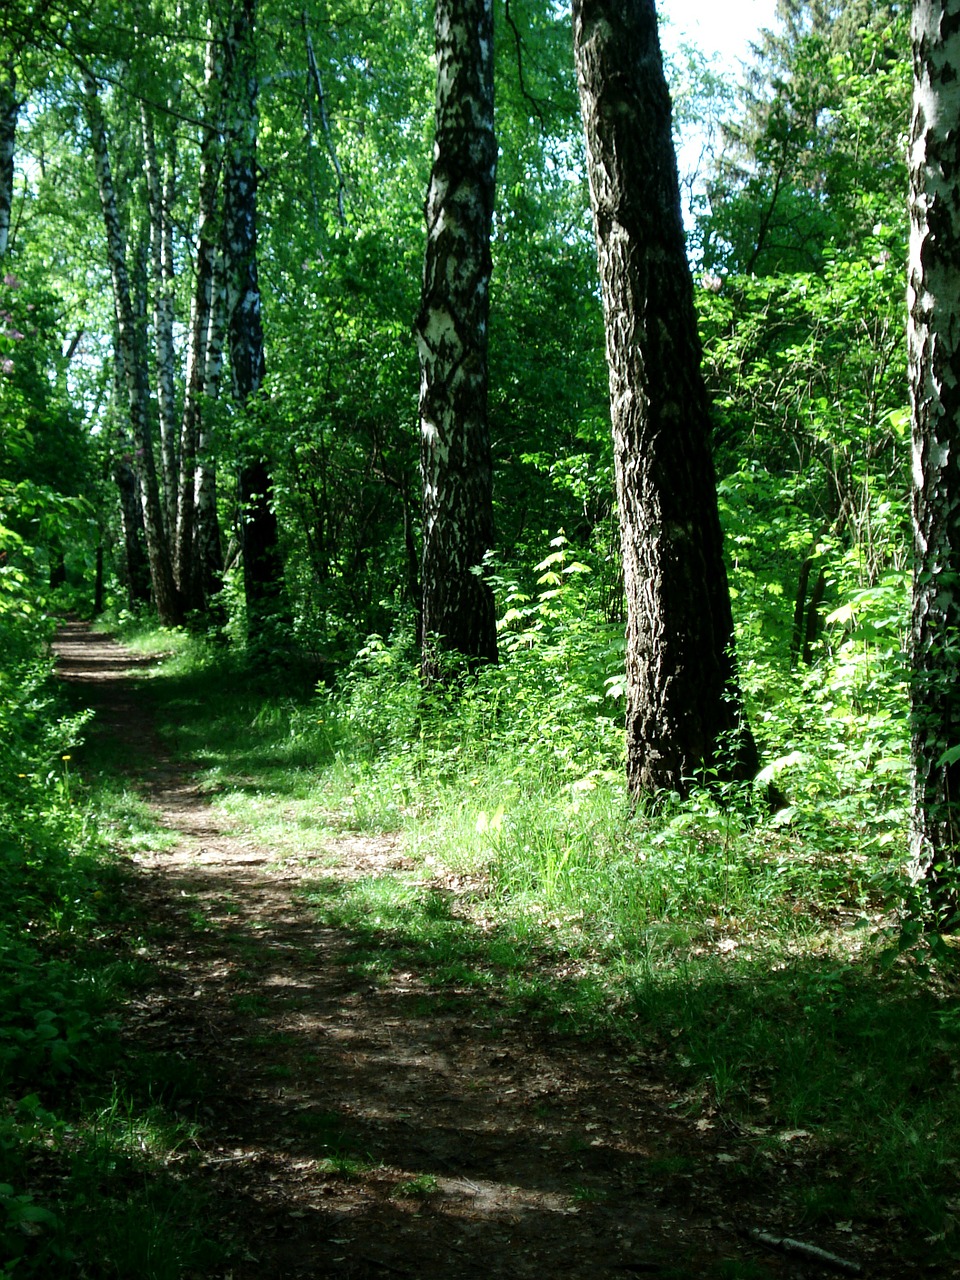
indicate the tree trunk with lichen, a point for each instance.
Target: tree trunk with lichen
{"x":455,"y":458}
{"x":933,"y":297}
{"x":684,"y":712}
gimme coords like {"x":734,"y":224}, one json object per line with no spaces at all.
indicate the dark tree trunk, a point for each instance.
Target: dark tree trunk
{"x":684,"y":714}
{"x":457,"y":472}
{"x":58,"y":569}
{"x":9,"y":111}
{"x":98,"y":582}
{"x":933,"y":297}
{"x":136,"y":567}
{"x":267,"y":610}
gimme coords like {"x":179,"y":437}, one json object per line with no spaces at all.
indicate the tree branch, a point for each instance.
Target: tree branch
{"x":519,"y":43}
{"x":324,"y":120}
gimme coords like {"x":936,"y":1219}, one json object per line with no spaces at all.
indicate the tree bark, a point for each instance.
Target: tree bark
{"x":684,"y":713}
{"x":267,"y":612}
{"x":161,"y":574}
{"x":451,"y":330}
{"x":207,"y":542}
{"x":933,"y":298}
{"x":159,"y":186}
{"x":136,"y":565}
{"x":191,"y":578}
{"x":9,"y":112}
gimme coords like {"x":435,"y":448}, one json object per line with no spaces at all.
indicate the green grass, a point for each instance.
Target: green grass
{"x":110,"y":1196}
{"x":94,"y":1177}
{"x":757,"y":958}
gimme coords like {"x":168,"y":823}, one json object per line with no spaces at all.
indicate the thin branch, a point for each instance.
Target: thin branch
{"x":324,"y":120}
{"x":523,"y":88}
{"x":162,"y":108}
{"x":72,"y":348}
{"x":811,"y":1252}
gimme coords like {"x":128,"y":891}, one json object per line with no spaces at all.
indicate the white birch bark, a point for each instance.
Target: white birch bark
{"x":208,"y":547}
{"x":9,"y":112}
{"x":161,"y":575}
{"x":161,"y":262}
{"x":190,"y":487}
{"x":933,"y":298}
{"x":451,"y":331}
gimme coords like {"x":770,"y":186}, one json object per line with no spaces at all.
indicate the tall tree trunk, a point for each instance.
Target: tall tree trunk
{"x":9,"y":111}
{"x":136,"y":564}
{"x":267,"y":614}
{"x":684,"y":715}
{"x":188,"y":572}
{"x":161,"y":574}
{"x":208,"y":544}
{"x":159,"y":190}
{"x":451,"y":330}
{"x":933,"y":297}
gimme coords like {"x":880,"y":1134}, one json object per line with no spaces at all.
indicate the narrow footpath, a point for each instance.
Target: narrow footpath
{"x":355,"y":1129}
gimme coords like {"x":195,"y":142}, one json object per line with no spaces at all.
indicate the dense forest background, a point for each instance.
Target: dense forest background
{"x":795,"y":187}
{"x":797,"y":217}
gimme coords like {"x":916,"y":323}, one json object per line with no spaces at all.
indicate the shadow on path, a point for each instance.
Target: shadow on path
{"x":352,"y":1128}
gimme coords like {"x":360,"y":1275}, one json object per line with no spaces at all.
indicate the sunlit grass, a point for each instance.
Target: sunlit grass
{"x":758,"y":962}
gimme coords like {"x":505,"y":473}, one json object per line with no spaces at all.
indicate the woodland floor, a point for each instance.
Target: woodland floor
{"x":481,"y":1144}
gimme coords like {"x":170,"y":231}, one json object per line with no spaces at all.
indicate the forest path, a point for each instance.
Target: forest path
{"x":358,"y":1129}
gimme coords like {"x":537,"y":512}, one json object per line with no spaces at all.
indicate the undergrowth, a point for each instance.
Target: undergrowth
{"x":757,"y":956}
{"x":85,"y":1186}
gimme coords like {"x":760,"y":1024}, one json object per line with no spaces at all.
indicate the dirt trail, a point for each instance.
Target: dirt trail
{"x":353,"y":1130}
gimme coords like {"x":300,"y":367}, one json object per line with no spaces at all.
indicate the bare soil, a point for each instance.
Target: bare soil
{"x":467,"y":1140}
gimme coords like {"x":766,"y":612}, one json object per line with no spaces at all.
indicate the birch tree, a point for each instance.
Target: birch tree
{"x":451,"y":329}
{"x":161,"y":177}
{"x":161,"y":572}
{"x":262,"y":566}
{"x":933,"y":297}
{"x":9,"y":112}
{"x":197,"y":543}
{"x":684,"y":714}
{"x":207,"y":542}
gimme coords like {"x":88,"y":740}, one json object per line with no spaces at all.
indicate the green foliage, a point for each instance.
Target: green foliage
{"x":98,"y":1194}
{"x":757,"y":952}
{"x":815,"y":156}
{"x":753,"y":953}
